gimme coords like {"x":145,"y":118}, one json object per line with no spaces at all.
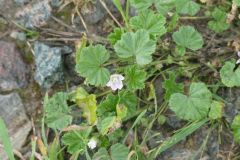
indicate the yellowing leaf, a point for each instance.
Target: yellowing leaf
{"x":88,"y":103}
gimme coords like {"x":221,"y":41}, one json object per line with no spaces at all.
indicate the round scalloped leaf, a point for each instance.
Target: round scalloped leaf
{"x":153,"y":23}
{"x":193,"y":107}
{"x":141,"y":5}
{"x":188,"y":37}
{"x":187,"y":7}
{"x":119,"y":152}
{"x":136,"y":44}
{"x":164,"y":6}
{"x":135,"y":77}
{"x":57,"y":113}
{"x":90,"y":65}
{"x":229,"y":77}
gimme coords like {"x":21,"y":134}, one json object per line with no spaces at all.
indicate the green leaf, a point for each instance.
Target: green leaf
{"x":218,"y":24}
{"x":129,"y":100}
{"x":90,"y":65}
{"x":136,"y":44}
{"x":197,"y":103}
{"x":188,"y":37}
{"x":5,"y":140}
{"x":164,"y":6}
{"x":101,"y":154}
{"x":121,"y":111}
{"x":180,"y":50}
{"x":56,"y":111}
{"x":148,"y":20}
{"x":187,"y":7}
{"x":106,"y":124}
{"x":171,"y":86}
{"x":115,"y":35}
{"x":229,"y":77}
{"x":238,"y":3}
{"x":216,"y":110}
{"x":135,"y":77}
{"x":107,"y":106}
{"x":76,"y":141}
{"x":119,"y":152}
{"x":87,"y":102}
{"x":236,"y":128}
{"x":141,"y":5}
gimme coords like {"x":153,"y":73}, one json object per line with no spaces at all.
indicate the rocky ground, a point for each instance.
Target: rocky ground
{"x":37,"y":45}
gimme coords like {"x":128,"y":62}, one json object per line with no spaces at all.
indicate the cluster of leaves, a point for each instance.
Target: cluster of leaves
{"x":137,"y":53}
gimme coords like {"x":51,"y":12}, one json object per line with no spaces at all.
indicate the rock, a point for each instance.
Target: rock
{"x":34,"y":15}
{"x":186,"y":154}
{"x":232,"y":103}
{"x":13,"y":71}
{"x":93,"y":12}
{"x":17,"y":122}
{"x":71,"y":75}
{"x":56,"y":3}
{"x":21,"y":2}
{"x":48,"y":62}
{"x":18,"y":36}
{"x":173,"y":121}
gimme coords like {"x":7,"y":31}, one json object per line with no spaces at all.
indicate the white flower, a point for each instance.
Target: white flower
{"x":92,"y":143}
{"x":115,"y":82}
{"x":238,"y":61}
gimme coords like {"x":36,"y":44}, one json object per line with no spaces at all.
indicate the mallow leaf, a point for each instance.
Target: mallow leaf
{"x":141,"y":5}
{"x":108,"y":107}
{"x":238,"y":3}
{"x":229,"y":77}
{"x":219,"y":22}
{"x":101,"y":154}
{"x":90,"y":65}
{"x":216,"y":110}
{"x":164,"y":6}
{"x":119,"y":152}
{"x":115,"y":35}
{"x":188,"y":37}
{"x":87,"y":102}
{"x":57,"y":113}
{"x":76,"y":141}
{"x":135,"y":77}
{"x":236,"y":128}
{"x":107,"y":124}
{"x":171,"y":86}
{"x":136,"y":44}
{"x":187,"y":7}
{"x":195,"y":105}
{"x":148,"y":20}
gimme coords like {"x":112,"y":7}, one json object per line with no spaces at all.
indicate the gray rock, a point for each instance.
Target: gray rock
{"x":48,"y":62}
{"x":13,"y":71}
{"x":13,"y":113}
{"x":34,"y":15}
{"x":18,"y":36}
{"x":21,"y":2}
{"x":55,"y":3}
{"x":185,"y":154}
{"x":93,"y":12}
{"x":174,"y":121}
